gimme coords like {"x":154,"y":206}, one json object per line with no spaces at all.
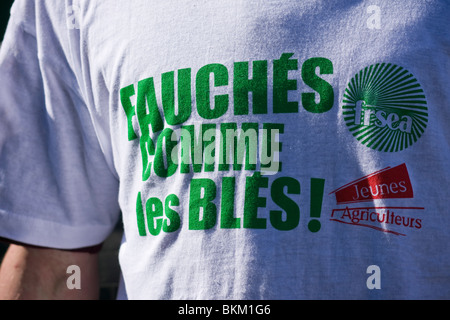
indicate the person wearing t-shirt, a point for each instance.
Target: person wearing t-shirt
{"x":275,"y":150}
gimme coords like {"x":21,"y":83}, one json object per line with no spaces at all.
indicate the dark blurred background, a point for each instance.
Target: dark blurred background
{"x":5,"y":6}
{"x":108,"y":264}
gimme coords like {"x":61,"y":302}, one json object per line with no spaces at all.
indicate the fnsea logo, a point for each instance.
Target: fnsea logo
{"x":385,"y":108}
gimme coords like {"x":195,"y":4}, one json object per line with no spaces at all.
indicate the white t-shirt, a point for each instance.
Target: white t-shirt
{"x":256,"y":150}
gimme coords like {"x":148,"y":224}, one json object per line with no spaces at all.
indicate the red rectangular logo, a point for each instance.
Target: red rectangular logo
{"x":389,"y":183}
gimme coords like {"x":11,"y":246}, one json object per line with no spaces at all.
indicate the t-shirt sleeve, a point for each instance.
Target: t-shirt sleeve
{"x":56,"y":188}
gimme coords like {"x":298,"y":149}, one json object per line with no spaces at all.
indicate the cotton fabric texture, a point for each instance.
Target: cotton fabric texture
{"x":340,"y":110}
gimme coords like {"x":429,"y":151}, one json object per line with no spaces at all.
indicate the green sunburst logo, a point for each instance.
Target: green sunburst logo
{"x":385,"y":108}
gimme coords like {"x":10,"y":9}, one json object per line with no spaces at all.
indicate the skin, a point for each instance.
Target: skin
{"x":30,"y":273}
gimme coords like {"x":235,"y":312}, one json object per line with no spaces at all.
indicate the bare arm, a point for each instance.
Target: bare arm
{"x":29,"y":273}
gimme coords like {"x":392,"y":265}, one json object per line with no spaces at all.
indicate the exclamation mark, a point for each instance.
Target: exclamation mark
{"x":317,"y":189}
